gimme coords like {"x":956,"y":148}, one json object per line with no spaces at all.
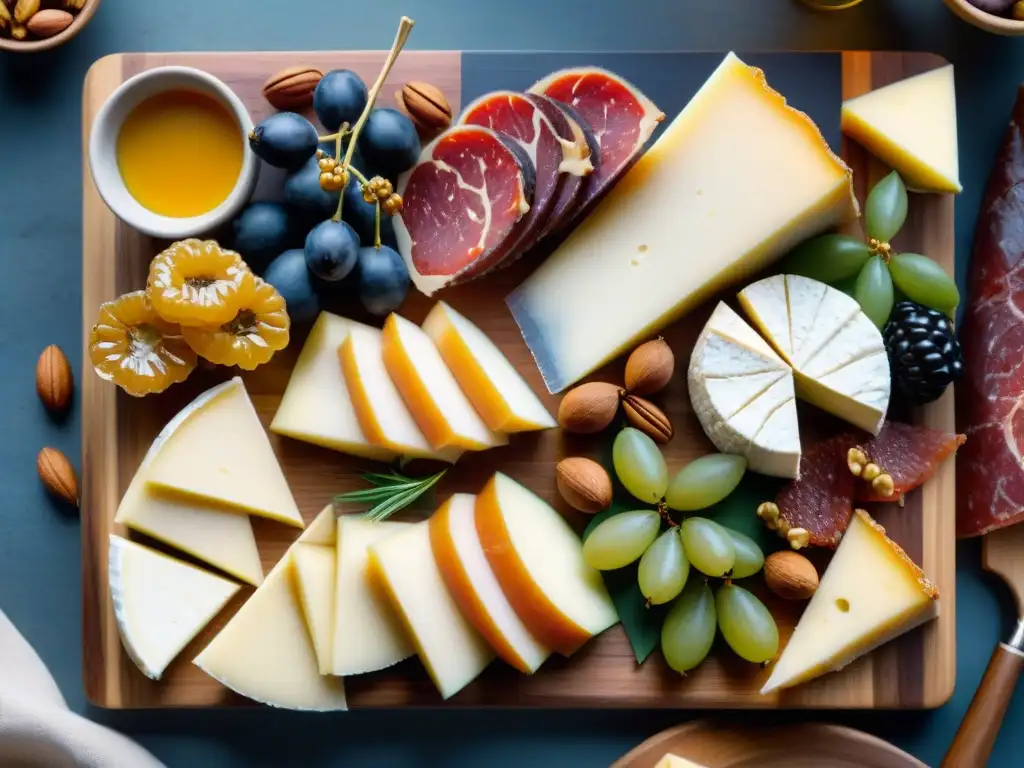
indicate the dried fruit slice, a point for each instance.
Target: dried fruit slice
{"x":133,"y":347}
{"x":258,"y":329}
{"x":909,"y":454}
{"x":195,"y":282}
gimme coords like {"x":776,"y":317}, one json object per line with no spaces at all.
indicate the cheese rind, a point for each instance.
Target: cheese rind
{"x":870,"y":593}
{"x":314,"y":576}
{"x":216,"y":450}
{"x":368,"y":633}
{"x":316,"y":407}
{"x":450,"y":648}
{"x":709,"y":185}
{"x":911,"y":125}
{"x":439,"y":406}
{"x":160,"y":603}
{"x":498,"y":392}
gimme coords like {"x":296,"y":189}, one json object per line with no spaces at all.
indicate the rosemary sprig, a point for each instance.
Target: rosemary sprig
{"x":390,"y":493}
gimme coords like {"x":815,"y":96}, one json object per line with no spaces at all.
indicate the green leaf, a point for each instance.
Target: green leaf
{"x":394,"y":478}
{"x":886,"y":208}
{"x":390,"y":493}
{"x":738,"y":510}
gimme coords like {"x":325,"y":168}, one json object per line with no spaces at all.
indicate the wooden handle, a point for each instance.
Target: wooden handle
{"x":977,"y":733}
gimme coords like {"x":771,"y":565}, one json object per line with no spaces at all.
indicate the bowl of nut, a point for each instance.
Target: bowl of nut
{"x":39,"y":25}
{"x":1001,"y":17}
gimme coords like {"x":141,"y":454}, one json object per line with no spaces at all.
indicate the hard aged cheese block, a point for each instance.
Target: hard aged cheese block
{"x":382,"y":414}
{"x":713,"y":201}
{"x":836,"y":352}
{"x":470,"y":579}
{"x":871,"y":593}
{"x":500,"y":395}
{"x":538,"y":560}
{"x":160,"y":603}
{"x":437,"y":403}
{"x":452,"y":651}
{"x":368,"y":634}
{"x":265,"y":651}
{"x":742,"y":394}
{"x":316,"y":406}
{"x":216,"y":450}
{"x":911,"y":125}
{"x":315,"y":566}
{"x":674,"y":761}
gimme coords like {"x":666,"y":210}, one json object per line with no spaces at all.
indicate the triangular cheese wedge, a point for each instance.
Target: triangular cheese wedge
{"x":315,"y":565}
{"x":911,"y":125}
{"x":216,"y":450}
{"x":323,"y":530}
{"x":160,"y":603}
{"x":871,"y":592}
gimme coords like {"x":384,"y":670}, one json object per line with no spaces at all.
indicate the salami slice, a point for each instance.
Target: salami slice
{"x":463,"y":204}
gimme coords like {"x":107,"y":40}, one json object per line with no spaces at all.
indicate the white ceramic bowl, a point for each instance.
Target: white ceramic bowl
{"x":103,"y":152}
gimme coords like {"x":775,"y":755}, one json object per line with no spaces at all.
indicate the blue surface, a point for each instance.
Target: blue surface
{"x":40,"y":278}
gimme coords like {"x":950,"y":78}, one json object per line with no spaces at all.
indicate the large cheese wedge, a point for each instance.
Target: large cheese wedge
{"x":538,"y":560}
{"x":382,"y":413}
{"x":265,"y":652}
{"x":437,"y":403}
{"x":871,"y":592}
{"x":742,"y":394}
{"x":452,"y":651}
{"x":711,"y":202}
{"x":315,"y":567}
{"x":316,"y":407}
{"x":836,"y":352}
{"x":368,"y":634}
{"x":500,"y":395}
{"x":463,"y":563}
{"x":160,"y":603}
{"x":911,"y":125}
{"x":216,"y":450}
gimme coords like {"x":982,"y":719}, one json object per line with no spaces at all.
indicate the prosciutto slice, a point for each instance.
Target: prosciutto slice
{"x":990,"y":398}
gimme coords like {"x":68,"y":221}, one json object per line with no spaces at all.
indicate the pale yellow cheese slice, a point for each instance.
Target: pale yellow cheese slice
{"x":216,"y":450}
{"x":368,"y":634}
{"x":315,"y":567}
{"x":439,"y":406}
{"x":323,"y":529}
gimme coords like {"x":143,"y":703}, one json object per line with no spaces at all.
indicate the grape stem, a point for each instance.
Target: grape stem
{"x":665,"y":516}
{"x":337,"y":151}
{"x":376,"y":225}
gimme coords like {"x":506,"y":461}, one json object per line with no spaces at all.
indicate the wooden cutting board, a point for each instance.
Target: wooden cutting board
{"x":914,"y":671}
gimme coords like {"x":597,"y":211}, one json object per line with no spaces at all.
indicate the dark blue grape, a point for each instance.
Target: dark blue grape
{"x":262,"y":231}
{"x":304,"y":196}
{"x":389,"y":142}
{"x":340,"y":97}
{"x":289,"y":275}
{"x":332,"y":248}
{"x":357,"y":212}
{"x":383,"y":279}
{"x":284,"y":140}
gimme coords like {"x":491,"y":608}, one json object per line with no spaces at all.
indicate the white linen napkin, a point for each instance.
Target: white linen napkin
{"x":38,"y":730}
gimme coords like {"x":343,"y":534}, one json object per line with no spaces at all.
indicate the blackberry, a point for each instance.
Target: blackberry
{"x":924,"y":355}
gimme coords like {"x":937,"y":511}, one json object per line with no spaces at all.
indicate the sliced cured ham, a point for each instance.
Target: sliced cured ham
{"x":621,"y":117}
{"x":990,"y":397}
{"x":560,"y":158}
{"x":463,"y":206}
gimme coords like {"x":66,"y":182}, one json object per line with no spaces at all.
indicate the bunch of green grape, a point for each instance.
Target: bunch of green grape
{"x":871,"y":272}
{"x":667,"y":554}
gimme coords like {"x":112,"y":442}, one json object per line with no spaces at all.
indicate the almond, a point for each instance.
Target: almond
{"x":54,"y":381}
{"x":426,"y":106}
{"x":584,"y":484}
{"x":58,"y":475}
{"x":49,"y":23}
{"x":589,"y":407}
{"x":790,"y":575}
{"x":648,"y":418}
{"x":650,"y":367}
{"x":292,"y":89}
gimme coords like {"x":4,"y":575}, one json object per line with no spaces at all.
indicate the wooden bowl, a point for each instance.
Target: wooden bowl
{"x":30,"y":46}
{"x":998,"y":25}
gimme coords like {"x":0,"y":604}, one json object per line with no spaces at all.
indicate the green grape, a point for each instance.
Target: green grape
{"x":708,"y":546}
{"x":640,"y":465}
{"x":621,"y":539}
{"x":749,"y":557}
{"x":874,"y":291}
{"x":924,"y":281}
{"x":886,"y":208}
{"x":827,"y":258}
{"x":746,"y":624}
{"x":705,"y":481}
{"x":663,"y":568}
{"x":689,"y":627}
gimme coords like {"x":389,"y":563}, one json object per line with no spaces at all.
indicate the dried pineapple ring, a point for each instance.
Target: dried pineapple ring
{"x":133,"y":347}
{"x":254,"y":334}
{"x":195,"y":282}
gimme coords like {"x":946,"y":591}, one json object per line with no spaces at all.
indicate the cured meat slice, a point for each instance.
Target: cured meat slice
{"x":463,"y":204}
{"x":559,"y":159}
{"x":621,"y":117}
{"x":990,"y":468}
{"x":909,"y":454}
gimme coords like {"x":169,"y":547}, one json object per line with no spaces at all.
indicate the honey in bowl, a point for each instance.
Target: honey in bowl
{"x":180,"y":153}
